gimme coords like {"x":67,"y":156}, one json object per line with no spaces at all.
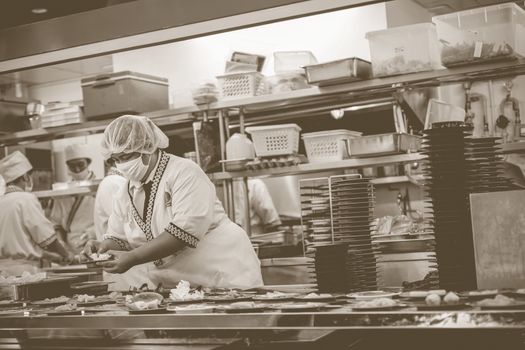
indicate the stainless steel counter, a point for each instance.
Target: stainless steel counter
{"x":336,"y":319}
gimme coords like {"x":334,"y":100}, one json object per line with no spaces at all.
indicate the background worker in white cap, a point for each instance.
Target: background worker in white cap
{"x":73,"y":216}
{"x":26,"y":235}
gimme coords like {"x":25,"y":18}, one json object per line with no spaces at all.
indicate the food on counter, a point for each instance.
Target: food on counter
{"x":423,"y":293}
{"x":47,"y":301}
{"x":100,"y":257}
{"x":66,"y":307}
{"x":375,"y":303}
{"x":468,"y":52}
{"x":433,"y":300}
{"x":399,"y":224}
{"x":477,"y":293}
{"x":26,"y":277}
{"x":144,"y":301}
{"x":192,"y":309}
{"x":85,"y":298}
{"x":318,"y":296}
{"x":183,"y":292}
{"x":276,"y":295}
{"x":451,"y":298}
{"x":498,"y":300}
{"x":115,"y":295}
{"x":144,"y":305}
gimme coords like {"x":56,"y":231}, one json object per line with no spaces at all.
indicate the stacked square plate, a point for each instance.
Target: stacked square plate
{"x":447,"y":187}
{"x":352,"y":203}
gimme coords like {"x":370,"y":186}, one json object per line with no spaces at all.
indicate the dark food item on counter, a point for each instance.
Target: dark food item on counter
{"x":428,"y":282}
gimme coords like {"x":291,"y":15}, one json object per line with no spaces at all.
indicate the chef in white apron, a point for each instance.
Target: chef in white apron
{"x":74,"y":215}
{"x":263,"y":214}
{"x":26,"y":235}
{"x":168,"y":216}
{"x":107,"y":192}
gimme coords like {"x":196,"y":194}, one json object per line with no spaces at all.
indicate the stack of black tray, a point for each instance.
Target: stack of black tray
{"x":447,"y":186}
{"x":352,"y":204}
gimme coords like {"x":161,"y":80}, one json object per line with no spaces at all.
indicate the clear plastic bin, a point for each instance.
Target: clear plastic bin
{"x":292,"y":61}
{"x":440,"y":111}
{"x":286,"y":82}
{"x":406,"y":49}
{"x":488,"y":33}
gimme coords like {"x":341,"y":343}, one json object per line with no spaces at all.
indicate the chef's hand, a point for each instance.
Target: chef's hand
{"x":93,"y":246}
{"x":122,"y":262}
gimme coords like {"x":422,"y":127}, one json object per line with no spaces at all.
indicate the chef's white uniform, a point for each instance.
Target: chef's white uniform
{"x":108,"y":190}
{"x":24,"y":231}
{"x":262,"y":208}
{"x":183,"y":202}
{"x":75,"y":219}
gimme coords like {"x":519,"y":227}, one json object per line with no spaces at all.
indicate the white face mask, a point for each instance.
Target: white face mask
{"x":134,"y":169}
{"x":82,"y":175}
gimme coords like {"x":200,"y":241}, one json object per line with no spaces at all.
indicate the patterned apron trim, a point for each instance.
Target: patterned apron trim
{"x":145,"y":225}
{"x":189,"y":239}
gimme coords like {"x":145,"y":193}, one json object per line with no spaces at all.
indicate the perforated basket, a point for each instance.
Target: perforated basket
{"x":237,"y":85}
{"x":328,"y":146}
{"x":275,"y":140}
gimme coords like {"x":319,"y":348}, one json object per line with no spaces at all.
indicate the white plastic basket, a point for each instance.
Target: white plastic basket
{"x":328,"y":146}
{"x":237,"y":85}
{"x":275,"y":140}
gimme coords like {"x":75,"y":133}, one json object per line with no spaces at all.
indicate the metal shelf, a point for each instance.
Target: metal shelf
{"x":395,"y":179}
{"x":317,"y":96}
{"x":75,"y":191}
{"x":514,"y":147}
{"x":319,"y":167}
{"x":91,"y":127}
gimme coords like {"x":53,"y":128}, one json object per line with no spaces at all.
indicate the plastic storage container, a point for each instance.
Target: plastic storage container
{"x":292,"y":61}
{"x":440,"y":111}
{"x":406,"y":49}
{"x":238,"y":85}
{"x":275,"y":140}
{"x":481,"y":34}
{"x":110,"y":95}
{"x":328,"y":146}
{"x":286,"y":82}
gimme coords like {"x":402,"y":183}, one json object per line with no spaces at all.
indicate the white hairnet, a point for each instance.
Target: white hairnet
{"x":78,"y":151}
{"x":132,"y":133}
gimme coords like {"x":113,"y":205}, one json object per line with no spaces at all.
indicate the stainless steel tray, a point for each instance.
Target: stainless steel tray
{"x":47,"y":288}
{"x":383,"y":144}
{"x":338,"y":72}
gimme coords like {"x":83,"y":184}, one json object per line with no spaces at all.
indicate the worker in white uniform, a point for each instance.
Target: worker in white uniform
{"x":73,"y":216}
{"x":168,"y":216}
{"x":26,"y":235}
{"x":107,"y":192}
{"x":263,"y":214}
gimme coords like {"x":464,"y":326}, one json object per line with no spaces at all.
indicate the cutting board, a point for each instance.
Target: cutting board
{"x":498,"y":226}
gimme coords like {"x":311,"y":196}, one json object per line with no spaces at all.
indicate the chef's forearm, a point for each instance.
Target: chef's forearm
{"x":158,"y":248}
{"x":58,"y":248}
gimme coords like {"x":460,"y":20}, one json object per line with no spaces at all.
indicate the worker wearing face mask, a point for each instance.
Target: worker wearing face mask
{"x":26,"y":235}
{"x":167,"y":216}
{"x":73,"y":216}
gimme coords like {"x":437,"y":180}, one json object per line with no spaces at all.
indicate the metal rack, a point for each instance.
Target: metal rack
{"x":302,"y":103}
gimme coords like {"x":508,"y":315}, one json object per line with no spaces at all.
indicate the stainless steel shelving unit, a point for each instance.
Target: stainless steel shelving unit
{"x":299,"y":103}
